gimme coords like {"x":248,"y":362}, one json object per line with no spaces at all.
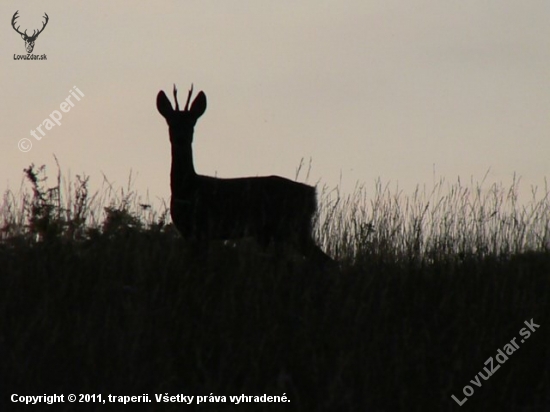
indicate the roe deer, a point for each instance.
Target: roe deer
{"x":203,"y":208}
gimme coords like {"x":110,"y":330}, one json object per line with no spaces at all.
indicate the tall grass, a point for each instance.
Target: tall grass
{"x":446,"y":221}
{"x":66,"y":209}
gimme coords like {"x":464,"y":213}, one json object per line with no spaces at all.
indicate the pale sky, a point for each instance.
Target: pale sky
{"x":366,"y":89}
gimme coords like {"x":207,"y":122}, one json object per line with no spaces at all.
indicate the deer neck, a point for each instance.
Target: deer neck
{"x":182,"y":173}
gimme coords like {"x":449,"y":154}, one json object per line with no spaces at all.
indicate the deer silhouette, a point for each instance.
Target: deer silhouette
{"x":29,"y":40}
{"x":270,"y":209}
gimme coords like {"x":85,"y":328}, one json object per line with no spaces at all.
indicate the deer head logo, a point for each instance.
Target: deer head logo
{"x":29,"y":40}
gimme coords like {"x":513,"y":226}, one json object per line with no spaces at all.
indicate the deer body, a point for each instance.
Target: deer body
{"x":270,"y":209}
{"x":267,"y":208}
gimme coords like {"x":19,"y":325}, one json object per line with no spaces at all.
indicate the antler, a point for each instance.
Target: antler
{"x":176,"y":97}
{"x":34,"y":33}
{"x":15,"y":16}
{"x":186,"y":109}
{"x":189,"y":98}
{"x":43,"y":26}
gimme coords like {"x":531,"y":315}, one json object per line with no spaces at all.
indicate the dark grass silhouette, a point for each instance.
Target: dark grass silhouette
{"x":272,"y":210}
{"x":96,"y":298}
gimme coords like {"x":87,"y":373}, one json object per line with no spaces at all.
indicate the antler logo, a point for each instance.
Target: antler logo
{"x":29,"y":40}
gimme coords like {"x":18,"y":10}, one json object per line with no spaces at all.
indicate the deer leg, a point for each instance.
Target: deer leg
{"x":311,"y":250}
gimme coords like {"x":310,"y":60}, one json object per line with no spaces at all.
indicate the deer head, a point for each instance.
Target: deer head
{"x":29,"y":40}
{"x":181,"y":122}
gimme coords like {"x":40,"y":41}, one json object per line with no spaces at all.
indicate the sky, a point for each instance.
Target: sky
{"x":407,"y":92}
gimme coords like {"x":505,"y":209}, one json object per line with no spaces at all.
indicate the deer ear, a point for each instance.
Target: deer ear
{"x":163,"y":105}
{"x":199,"y":105}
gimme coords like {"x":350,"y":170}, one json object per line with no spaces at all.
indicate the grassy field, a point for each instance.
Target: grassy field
{"x":99,"y":295}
